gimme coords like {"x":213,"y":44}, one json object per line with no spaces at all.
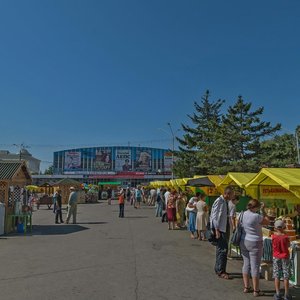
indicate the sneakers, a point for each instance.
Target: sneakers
{"x":277,"y":297}
{"x":287,"y":297}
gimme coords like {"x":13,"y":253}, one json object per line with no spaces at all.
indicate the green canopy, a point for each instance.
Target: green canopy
{"x":110,"y":183}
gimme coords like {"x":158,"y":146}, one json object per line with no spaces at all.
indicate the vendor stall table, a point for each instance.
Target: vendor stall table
{"x":25,"y":219}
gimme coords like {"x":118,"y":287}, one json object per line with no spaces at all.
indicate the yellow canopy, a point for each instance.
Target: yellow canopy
{"x":288,"y":178}
{"x":240,"y":179}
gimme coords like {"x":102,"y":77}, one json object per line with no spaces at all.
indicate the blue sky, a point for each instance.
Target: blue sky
{"x":108,"y":72}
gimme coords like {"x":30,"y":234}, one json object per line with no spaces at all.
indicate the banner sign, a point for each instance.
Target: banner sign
{"x":143,"y":160}
{"x":72,"y":160}
{"x":102,"y":159}
{"x":123,"y":160}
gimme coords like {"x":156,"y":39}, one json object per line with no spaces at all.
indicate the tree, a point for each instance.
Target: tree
{"x":242,"y":134}
{"x":198,"y":153}
{"x":49,"y":170}
{"x":279,"y":151}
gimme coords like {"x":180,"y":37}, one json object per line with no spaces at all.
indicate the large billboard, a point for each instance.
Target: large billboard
{"x":168,"y":161}
{"x":72,"y":160}
{"x":143,"y":160}
{"x":123,"y":161}
{"x":103,"y":159}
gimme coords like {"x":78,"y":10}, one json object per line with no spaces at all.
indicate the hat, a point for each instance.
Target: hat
{"x":72,"y":188}
{"x":279,"y":224}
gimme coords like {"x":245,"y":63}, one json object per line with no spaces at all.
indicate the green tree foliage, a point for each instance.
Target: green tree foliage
{"x":197,"y":151}
{"x":242,"y":134}
{"x":235,"y":141}
{"x":279,"y":151}
{"x":49,"y":171}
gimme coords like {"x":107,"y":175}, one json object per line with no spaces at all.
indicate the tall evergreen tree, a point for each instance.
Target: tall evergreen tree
{"x":279,"y":152}
{"x":197,"y":150}
{"x":242,"y":134}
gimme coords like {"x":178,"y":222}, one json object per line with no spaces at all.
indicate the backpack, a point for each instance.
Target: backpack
{"x":138,"y":194}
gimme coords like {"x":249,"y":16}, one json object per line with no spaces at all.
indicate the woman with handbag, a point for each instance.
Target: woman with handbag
{"x":202,"y":217}
{"x":252,"y":245}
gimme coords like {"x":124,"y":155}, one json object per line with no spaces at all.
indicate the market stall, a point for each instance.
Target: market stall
{"x":279,"y":189}
{"x":64,"y":185}
{"x":238,"y":181}
{"x":14,"y":176}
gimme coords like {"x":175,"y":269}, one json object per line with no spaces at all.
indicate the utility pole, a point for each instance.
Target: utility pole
{"x":173,"y":147}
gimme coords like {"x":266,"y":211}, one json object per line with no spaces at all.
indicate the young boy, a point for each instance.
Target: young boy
{"x":281,"y":261}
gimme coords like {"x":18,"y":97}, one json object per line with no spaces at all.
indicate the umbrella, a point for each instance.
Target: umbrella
{"x":203,"y":181}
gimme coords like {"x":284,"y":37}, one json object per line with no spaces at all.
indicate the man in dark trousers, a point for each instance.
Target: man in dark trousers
{"x":58,"y":207}
{"x":219,"y":220}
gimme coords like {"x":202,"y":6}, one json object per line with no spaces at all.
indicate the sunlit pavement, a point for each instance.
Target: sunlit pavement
{"x":105,"y":257}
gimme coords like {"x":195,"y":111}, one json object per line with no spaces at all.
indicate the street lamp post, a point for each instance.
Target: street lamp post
{"x":173,"y":147}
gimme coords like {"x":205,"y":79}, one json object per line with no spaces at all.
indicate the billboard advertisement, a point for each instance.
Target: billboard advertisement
{"x":123,"y":160}
{"x":103,"y":160}
{"x":143,"y":160}
{"x":72,"y":160}
{"x":168,"y":161}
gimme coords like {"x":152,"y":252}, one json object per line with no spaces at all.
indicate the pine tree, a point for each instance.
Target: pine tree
{"x":279,"y":151}
{"x":242,"y":134}
{"x":197,"y":151}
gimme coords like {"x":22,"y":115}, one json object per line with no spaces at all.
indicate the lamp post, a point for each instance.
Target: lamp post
{"x":173,"y":146}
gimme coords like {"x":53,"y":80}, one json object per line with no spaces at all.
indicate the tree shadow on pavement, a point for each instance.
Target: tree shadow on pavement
{"x":91,"y":223}
{"x":56,"y":229}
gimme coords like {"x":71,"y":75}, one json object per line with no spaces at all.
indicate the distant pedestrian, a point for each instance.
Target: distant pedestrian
{"x":138,"y":197}
{"x":202,"y":217}
{"x":58,"y":207}
{"x":192,"y":209}
{"x":171,"y":210}
{"x":128,"y":194}
{"x":159,"y":203}
{"x":72,"y":206}
{"x":281,"y":261}
{"x":219,"y":221}
{"x":109,"y":195}
{"x":121,"y":203}
{"x":153,"y":197}
{"x":180,"y":209}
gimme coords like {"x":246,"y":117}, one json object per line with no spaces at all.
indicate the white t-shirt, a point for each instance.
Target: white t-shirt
{"x":193,"y":202}
{"x":166,"y":195}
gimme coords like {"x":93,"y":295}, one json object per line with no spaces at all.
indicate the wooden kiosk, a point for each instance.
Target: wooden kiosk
{"x":64,"y":185}
{"x":14,"y":176}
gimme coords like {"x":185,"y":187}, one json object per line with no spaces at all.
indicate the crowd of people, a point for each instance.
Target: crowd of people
{"x":181,"y":210}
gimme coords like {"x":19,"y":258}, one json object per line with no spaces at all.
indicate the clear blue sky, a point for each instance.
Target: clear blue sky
{"x":102,"y":72}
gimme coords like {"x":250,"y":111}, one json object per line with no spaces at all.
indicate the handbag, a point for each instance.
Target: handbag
{"x":238,"y":231}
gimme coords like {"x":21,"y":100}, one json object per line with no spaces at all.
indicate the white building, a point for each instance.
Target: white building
{"x":33,"y":163}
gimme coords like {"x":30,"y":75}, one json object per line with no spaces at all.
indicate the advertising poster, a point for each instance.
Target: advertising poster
{"x":168,"y":161}
{"x":143,"y":160}
{"x":102,"y":159}
{"x":72,"y":160}
{"x":123,"y":160}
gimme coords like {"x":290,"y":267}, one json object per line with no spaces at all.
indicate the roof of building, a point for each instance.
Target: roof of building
{"x":8,"y":169}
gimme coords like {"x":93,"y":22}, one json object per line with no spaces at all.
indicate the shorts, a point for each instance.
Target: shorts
{"x":281,"y":268}
{"x":139,"y":199}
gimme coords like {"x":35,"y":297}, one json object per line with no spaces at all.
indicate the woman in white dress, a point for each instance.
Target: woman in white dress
{"x":202,"y":217}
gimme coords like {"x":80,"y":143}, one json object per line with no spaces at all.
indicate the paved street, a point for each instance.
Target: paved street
{"x":104,"y":257}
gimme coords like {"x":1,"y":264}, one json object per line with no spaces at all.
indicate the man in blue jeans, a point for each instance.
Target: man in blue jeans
{"x":220,"y":222}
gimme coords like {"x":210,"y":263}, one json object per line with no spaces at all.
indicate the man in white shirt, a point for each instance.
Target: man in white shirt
{"x":220,"y":222}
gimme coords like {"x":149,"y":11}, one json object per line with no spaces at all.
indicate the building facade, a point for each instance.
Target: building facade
{"x":130,"y":165}
{"x":32,"y":163}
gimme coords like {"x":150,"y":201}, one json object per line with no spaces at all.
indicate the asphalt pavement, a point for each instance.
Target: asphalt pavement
{"x":105,"y":257}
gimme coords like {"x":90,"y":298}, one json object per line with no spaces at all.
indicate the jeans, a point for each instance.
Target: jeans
{"x":159,"y":209}
{"x":121,"y":213}
{"x":221,"y":253}
{"x":58,"y":214}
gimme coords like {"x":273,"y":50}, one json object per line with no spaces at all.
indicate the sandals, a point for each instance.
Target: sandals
{"x":248,"y":290}
{"x":258,"y":293}
{"x":224,"y":276}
